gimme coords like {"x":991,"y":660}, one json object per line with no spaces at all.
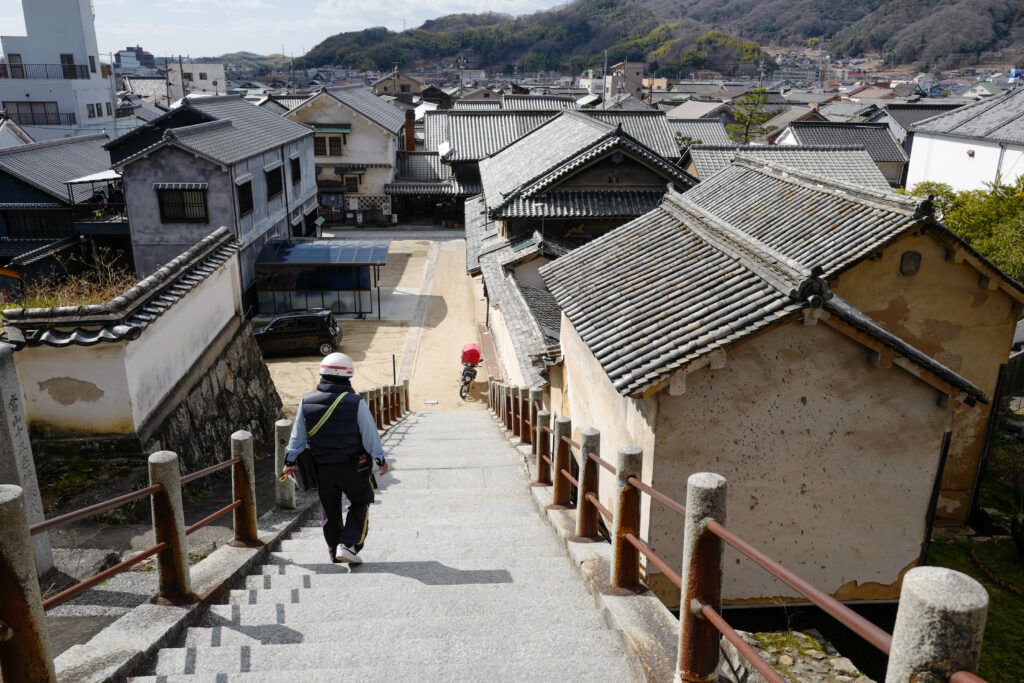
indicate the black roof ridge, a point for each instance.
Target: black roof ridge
{"x":860,"y":193}
{"x":11,"y":151}
{"x":847,"y":124}
{"x":198,"y":99}
{"x":787,"y":148}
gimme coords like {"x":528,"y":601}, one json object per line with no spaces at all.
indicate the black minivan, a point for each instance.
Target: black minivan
{"x":290,"y":332}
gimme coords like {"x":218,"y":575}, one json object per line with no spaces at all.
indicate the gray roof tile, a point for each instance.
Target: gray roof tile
{"x":49,"y":165}
{"x":845,"y":164}
{"x":999,"y":118}
{"x":384,"y":114}
{"x":708,"y":131}
{"x":907,"y":114}
{"x":874,"y":137}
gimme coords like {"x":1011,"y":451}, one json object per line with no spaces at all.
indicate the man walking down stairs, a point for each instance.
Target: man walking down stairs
{"x":464,"y":581}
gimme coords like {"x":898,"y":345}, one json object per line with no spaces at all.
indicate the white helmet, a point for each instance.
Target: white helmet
{"x":337,"y":365}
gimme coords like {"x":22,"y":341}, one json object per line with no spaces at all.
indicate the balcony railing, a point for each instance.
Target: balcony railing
{"x":44,"y":71}
{"x":42,"y":119}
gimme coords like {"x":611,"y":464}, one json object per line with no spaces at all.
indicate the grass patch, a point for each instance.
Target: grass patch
{"x":1002,"y":649}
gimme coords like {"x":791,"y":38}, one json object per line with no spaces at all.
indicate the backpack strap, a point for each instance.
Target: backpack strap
{"x":326,"y":416}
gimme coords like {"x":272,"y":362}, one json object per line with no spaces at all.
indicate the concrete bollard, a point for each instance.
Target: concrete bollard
{"x":702,"y":577}
{"x":25,"y":647}
{"x":939,"y":624}
{"x":284,"y":491}
{"x":405,"y":395}
{"x":586,"y":513}
{"x":536,"y":404}
{"x":169,"y":527}
{"x":244,"y":488}
{"x":562,"y":491}
{"x":543,"y":440}
{"x":626,"y":519}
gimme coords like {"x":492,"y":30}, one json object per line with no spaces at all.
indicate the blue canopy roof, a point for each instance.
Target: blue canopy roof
{"x":338,"y":252}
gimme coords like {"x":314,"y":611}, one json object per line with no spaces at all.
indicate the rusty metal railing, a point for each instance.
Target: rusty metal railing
{"x":701,"y":623}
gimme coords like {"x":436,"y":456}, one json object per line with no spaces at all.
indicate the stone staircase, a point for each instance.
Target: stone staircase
{"x":462,"y":580}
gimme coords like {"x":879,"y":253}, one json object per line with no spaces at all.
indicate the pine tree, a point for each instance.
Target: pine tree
{"x":751,"y":117}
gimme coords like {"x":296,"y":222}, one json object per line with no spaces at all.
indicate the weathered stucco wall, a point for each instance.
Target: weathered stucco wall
{"x":830,"y":461}
{"x":76,"y":389}
{"x":594,"y":402}
{"x":511,"y":372}
{"x":168,"y":349}
{"x":945,"y":311}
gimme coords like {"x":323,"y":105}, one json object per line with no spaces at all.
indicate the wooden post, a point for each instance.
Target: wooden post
{"x":385,"y":407}
{"x":405,"y":393}
{"x":702,"y":577}
{"x":396,"y":404}
{"x":543,"y":449}
{"x":517,"y":410}
{"x":626,"y":520}
{"x":586,"y":513}
{"x":244,"y":488}
{"x":524,"y":415}
{"x":536,"y":404}
{"x":508,"y":406}
{"x":169,"y":527}
{"x":561,"y":493}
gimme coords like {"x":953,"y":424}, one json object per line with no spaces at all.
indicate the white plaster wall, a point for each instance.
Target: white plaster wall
{"x":167,"y":349}
{"x":592,"y":401}
{"x":945,"y":160}
{"x":510,"y":369}
{"x":830,"y":461}
{"x":76,"y":389}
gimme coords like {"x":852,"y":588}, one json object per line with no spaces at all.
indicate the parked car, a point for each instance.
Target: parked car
{"x":290,"y":332}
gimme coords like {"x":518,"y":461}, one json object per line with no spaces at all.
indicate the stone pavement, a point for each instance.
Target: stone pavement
{"x":463,"y":581}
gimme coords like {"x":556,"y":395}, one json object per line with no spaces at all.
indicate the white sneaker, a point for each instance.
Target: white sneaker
{"x":346,"y":554}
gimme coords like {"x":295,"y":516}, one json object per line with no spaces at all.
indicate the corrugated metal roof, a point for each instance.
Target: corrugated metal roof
{"x":874,"y":137}
{"x":844,"y":164}
{"x":999,"y":118}
{"x":49,"y":165}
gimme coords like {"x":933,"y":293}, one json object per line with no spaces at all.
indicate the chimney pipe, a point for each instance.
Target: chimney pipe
{"x":410,"y":130}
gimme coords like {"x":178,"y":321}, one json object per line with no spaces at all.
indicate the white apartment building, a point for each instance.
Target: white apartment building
{"x":190,"y":78}
{"x":51,"y":81}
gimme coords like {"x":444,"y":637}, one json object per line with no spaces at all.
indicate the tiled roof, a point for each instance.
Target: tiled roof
{"x":845,"y":164}
{"x":517,"y":178}
{"x":19,"y":251}
{"x":650,"y":128}
{"x":695,"y":109}
{"x":784,"y":117}
{"x":422,"y":173}
{"x":435,"y":128}
{"x":874,"y":137}
{"x":240,"y":130}
{"x":706,"y":285}
{"x":49,"y":165}
{"x":151,"y":88}
{"x":477,"y":105}
{"x":583,"y":204}
{"x":708,"y":131}
{"x":626,"y":102}
{"x":907,"y":114}
{"x":545,"y":311}
{"x":537,"y":103}
{"x":125,"y":317}
{"x":844,"y":111}
{"x":386,"y":115}
{"x":813,"y":219}
{"x":528,"y":339}
{"x":999,"y":119}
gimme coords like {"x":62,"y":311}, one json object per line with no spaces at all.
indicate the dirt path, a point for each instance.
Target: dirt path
{"x":450,"y":323}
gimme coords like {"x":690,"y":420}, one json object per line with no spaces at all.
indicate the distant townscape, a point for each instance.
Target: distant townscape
{"x":798,"y":271}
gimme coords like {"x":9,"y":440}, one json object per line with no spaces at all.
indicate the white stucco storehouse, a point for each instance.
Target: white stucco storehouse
{"x":971,"y":146}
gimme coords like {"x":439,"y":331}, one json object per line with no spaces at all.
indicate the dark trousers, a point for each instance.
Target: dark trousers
{"x":336,"y":480}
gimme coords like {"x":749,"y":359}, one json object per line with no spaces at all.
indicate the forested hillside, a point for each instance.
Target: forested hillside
{"x":680,"y":36}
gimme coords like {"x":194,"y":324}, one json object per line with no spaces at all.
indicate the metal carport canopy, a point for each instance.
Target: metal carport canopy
{"x":338,"y":252}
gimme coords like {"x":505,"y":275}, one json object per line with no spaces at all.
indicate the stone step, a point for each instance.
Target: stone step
{"x":527,"y":521}
{"x":337,"y":591}
{"x":278,"y":563}
{"x":388,"y":666}
{"x":353,"y":643}
{"x":498,"y":534}
{"x":425,"y":573}
{"x":497,"y":605}
{"x":399,"y":629}
{"x":383,"y":550}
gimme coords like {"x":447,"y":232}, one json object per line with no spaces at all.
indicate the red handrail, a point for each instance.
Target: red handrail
{"x":571,"y":442}
{"x":672,"y":575}
{"x":605,"y":512}
{"x":214,"y":517}
{"x":657,"y":495}
{"x":96,"y":509}
{"x":751,"y":655}
{"x":210,"y":470}
{"x":572,"y":480}
{"x":81,"y":587}
{"x":855,"y":622}
{"x":547,"y":430}
{"x":603,"y":463}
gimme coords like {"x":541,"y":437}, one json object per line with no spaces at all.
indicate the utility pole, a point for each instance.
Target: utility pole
{"x":181,"y":76}
{"x":167,"y":79}
{"x":113,"y":92}
{"x":604,"y":82}
{"x":760,"y":74}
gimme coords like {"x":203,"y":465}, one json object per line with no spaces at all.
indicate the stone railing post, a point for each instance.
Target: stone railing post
{"x":562,"y":491}
{"x":543,"y":440}
{"x":509,"y":408}
{"x":243,"y":488}
{"x":536,"y":404}
{"x":939,"y":624}
{"x":524,"y":415}
{"x":371,"y":404}
{"x":586,"y":513}
{"x":284,"y":491}
{"x":702,"y":577}
{"x":490,"y":393}
{"x":396,"y":403}
{"x":405,"y":395}
{"x":24,"y":640}
{"x":385,"y":408}
{"x":169,"y":527}
{"x":517,"y":411}
{"x":626,"y":519}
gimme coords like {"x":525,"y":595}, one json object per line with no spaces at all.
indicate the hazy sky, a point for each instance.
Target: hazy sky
{"x":215,"y":27}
